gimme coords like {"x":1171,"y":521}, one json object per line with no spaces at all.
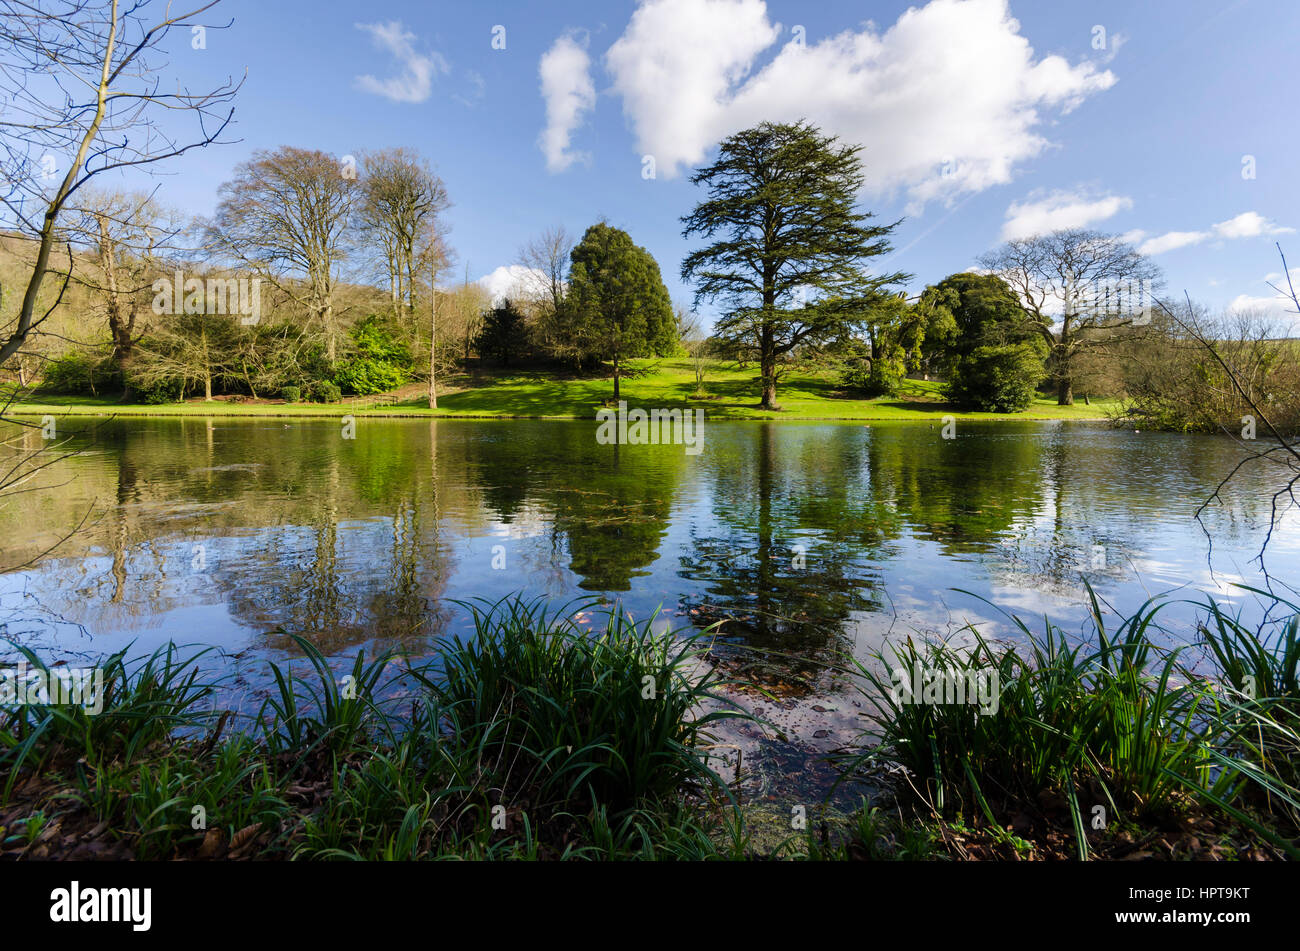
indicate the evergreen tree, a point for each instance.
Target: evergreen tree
{"x":789,"y":253}
{"x":503,"y":335}
{"x":618,"y":306}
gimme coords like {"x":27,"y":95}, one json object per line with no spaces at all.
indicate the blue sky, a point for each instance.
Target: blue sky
{"x":980,"y":119}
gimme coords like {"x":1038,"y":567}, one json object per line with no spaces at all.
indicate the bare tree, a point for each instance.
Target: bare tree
{"x":130,"y":235}
{"x":547,"y":259}
{"x":1078,"y":289}
{"x":285,"y":216}
{"x":466,"y":305}
{"x":436,"y":256}
{"x":544,"y":289}
{"x":83,"y":95}
{"x":400,"y":194}
{"x":190,"y":350}
{"x":1241,"y":369}
{"x":695,"y":341}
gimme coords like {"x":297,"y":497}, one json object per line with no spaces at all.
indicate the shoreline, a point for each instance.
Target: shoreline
{"x":336,"y":410}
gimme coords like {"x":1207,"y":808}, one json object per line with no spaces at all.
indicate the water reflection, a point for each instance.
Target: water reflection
{"x":806,"y":540}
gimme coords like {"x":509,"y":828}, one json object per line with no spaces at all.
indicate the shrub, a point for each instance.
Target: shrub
{"x":381,"y":362}
{"x":997,"y":379}
{"x":291,"y":394}
{"x":558,"y":713}
{"x":323,"y":391}
{"x":154,"y":392}
{"x":79,"y":374}
{"x":871,"y":378}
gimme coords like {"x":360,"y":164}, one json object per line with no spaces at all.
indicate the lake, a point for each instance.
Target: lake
{"x":808,"y":540}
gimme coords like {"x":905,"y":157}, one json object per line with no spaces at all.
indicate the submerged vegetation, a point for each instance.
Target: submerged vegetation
{"x":538,"y":738}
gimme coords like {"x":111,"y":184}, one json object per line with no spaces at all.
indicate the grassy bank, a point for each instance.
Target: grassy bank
{"x":728,"y":393}
{"x":532,"y":739}
{"x":536,"y":739}
{"x":1110,"y":747}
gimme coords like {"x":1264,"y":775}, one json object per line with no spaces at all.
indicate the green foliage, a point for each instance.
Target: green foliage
{"x":552,"y":722}
{"x":585,"y":744}
{"x":879,"y":366}
{"x":611,"y":714}
{"x":380,"y":362}
{"x":618,"y":306}
{"x":139,"y":704}
{"x":790,"y":252}
{"x":78,"y":373}
{"x":977,"y":332}
{"x":966,"y":310}
{"x":997,"y":379}
{"x":504,"y":335}
{"x":158,"y":390}
{"x":864,"y":376}
{"x":1121,"y":720}
{"x":323,"y":391}
{"x":290,"y":394}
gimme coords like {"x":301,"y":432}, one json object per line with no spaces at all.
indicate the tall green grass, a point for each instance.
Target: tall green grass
{"x":1116,"y":721}
{"x":537,"y":702}
{"x":534,"y":736}
{"x":531,"y":738}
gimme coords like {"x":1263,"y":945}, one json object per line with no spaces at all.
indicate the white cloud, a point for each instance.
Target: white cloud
{"x":1277,"y":304}
{"x":1249,"y":224}
{"x":415,"y":81}
{"x":947,"y":100}
{"x":1279,"y":310}
{"x":676,"y":66}
{"x":1116,"y":41}
{"x":1172,"y":240}
{"x":569,"y":93}
{"x":511,"y":280}
{"x":477,"y":90}
{"x":1060,"y":210}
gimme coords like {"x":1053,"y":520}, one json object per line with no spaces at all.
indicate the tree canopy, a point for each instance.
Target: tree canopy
{"x":788,"y":250}
{"x":1078,"y":289}
{"x":618,"y":304}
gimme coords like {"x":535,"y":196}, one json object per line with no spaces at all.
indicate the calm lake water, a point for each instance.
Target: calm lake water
{"x":809,"y":539}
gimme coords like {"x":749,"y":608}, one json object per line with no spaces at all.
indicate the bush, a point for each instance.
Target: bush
{"x":997,"y":379}
{"x":79,"y":374}
{"x":323,"y":391}
{"x":872,"y":378}
{"x":381,"y":362}
{"x":291,"y":394}
{"x":169,"y":390}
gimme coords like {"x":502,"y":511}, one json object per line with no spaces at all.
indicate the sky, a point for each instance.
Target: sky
{"x":1170,"y":122}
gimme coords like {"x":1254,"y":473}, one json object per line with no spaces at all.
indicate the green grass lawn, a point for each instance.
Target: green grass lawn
{"x":664,"y":383}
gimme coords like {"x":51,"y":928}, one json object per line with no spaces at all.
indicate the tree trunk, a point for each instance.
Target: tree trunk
{"x":433,"y":335}
{"x":616,"y":378}
{"x":769,"y":387}
{"x":393,"y":290}
{"x":330,"y":350}
{"x":410,"y":281}
{"x":767,"y":367}
{"x":1064,"y":378}
{"x":1064,"y":391}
